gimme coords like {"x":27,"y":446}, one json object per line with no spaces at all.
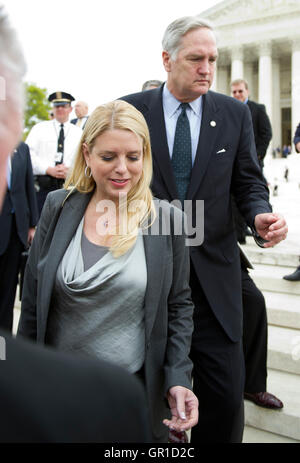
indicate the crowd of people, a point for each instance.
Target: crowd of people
{"x":114,"y":290}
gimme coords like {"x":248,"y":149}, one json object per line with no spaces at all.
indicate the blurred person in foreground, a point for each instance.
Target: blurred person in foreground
{"x":47,"y":396}
{"x":92,"y":284}
{"x":204,"y":150}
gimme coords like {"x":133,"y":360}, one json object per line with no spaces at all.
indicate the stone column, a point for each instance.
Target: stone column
{"x":222,"y":82}
{"x":265,"y":89}
{"x":295,"y":85}
{"x":237,"y":63}
{"x":214,"y":84}
{"x":265,"y":76}
{"x":276,"y":115}
{"x":248,"y":75}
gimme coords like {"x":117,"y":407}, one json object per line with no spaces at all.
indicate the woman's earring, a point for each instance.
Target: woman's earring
{"x":85,"y":172}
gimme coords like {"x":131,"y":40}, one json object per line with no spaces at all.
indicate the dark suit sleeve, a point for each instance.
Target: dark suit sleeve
{"x":30,"y":190}
{"x":178,"y":366}
{"x":248,"y":186}
{"x":297,"y":137}
{"x":28,"y":321}
{"x":264,"y":132}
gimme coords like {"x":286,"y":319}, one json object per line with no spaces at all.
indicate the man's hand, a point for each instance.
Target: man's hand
{"x":298,"y":146}
{"x":184,"y":408}
{"x":59,"y":171}
{"x":271,"y":227}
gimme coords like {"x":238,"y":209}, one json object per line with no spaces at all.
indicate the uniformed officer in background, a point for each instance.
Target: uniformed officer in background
{"x":53,"y":146}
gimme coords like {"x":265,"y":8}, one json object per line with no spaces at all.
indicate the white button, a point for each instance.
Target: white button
{"x":213,"y":123}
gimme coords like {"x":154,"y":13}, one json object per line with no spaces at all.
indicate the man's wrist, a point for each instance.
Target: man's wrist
{"x":257,"y":238}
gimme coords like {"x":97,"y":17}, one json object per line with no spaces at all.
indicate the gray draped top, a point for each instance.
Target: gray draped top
{"x":100,"y":311}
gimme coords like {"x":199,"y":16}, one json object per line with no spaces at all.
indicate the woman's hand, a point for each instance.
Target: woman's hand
{"x":184,"y":408}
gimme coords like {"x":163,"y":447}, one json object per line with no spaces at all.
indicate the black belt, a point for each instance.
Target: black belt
{"x":46,"y":182}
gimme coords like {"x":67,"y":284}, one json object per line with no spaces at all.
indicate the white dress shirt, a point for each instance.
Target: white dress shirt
{"x":171,"y":113}
{"x":42,"y":142}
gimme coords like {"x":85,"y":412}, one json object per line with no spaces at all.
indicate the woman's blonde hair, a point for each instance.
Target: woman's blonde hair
{"x":139,"y":206}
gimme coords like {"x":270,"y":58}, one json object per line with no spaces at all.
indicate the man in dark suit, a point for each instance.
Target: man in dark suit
{"x":81,"y":111}
{"x":212,"y":155}
{"x":46,"y":396}
{"x":255,"y":341}
{"x":18,"y":219}
{"x":295,"y":276}
{"x":261,"y":122}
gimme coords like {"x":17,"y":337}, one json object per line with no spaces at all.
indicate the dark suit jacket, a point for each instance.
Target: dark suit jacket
{"x":47,"y":396}
{"x":74,"y":121}
{"x":225,"y":163}
{"x":261,"y":127}
{"x":21,"y":198}
{"x":168,"y":306}
{"x":297,"y":137}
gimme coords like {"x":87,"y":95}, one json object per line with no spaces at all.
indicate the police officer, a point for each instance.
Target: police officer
{"x":52,"y":147}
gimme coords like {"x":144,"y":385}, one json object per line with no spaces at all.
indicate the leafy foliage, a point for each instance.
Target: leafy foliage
{"x":37,"y":106}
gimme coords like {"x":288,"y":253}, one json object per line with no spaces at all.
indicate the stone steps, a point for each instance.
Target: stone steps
{"x":284,"y":422}
{"x":281,"y":255}
{"x":269,"y":278}
{"x":283,"y":309}
{"x":253,"y":435}
{"x":284,"y":350}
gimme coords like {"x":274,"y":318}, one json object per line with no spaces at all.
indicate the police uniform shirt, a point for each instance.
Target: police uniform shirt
{"x":42,"y":142}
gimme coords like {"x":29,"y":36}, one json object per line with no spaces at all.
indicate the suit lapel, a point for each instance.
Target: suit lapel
{"x":209,"y":132}
{"x":159,"y":144}
{"x":154,"y":252}
{"x":69,"y":218}
{"x":15,"y":165}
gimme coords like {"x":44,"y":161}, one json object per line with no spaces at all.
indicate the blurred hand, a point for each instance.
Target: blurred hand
{"x":31,"y":233}
{"x":271,"y":227}
{"x":59,"y":171}
{"x":184,"y":408}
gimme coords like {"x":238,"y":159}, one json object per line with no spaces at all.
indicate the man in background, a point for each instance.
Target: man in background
{"x":18,"y":219}
{"x":52,"y":146}
{"x":295,"y":276}
{"x":81,"y":111}
{"x":150,"y":84}
{"x":260,"y":120}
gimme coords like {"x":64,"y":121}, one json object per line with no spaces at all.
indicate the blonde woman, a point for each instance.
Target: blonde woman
{"x":99,"y":283}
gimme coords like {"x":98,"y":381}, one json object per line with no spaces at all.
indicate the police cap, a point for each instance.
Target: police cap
{"x":60,"y":98}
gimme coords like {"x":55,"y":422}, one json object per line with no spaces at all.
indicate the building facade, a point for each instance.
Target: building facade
{"x":259,"y":40}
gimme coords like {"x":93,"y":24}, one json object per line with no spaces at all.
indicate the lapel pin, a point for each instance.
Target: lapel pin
{"x":213,"y":123}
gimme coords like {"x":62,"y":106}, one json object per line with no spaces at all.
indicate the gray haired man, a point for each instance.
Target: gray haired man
{"x":203,"y":149}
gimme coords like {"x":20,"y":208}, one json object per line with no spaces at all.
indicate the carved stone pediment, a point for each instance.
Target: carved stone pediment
{"x":232,"y":11}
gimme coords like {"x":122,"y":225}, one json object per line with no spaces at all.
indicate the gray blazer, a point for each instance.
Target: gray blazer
{"x":168,"y":306}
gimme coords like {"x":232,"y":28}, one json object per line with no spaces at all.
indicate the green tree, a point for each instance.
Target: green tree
{"x":37,"y":106}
